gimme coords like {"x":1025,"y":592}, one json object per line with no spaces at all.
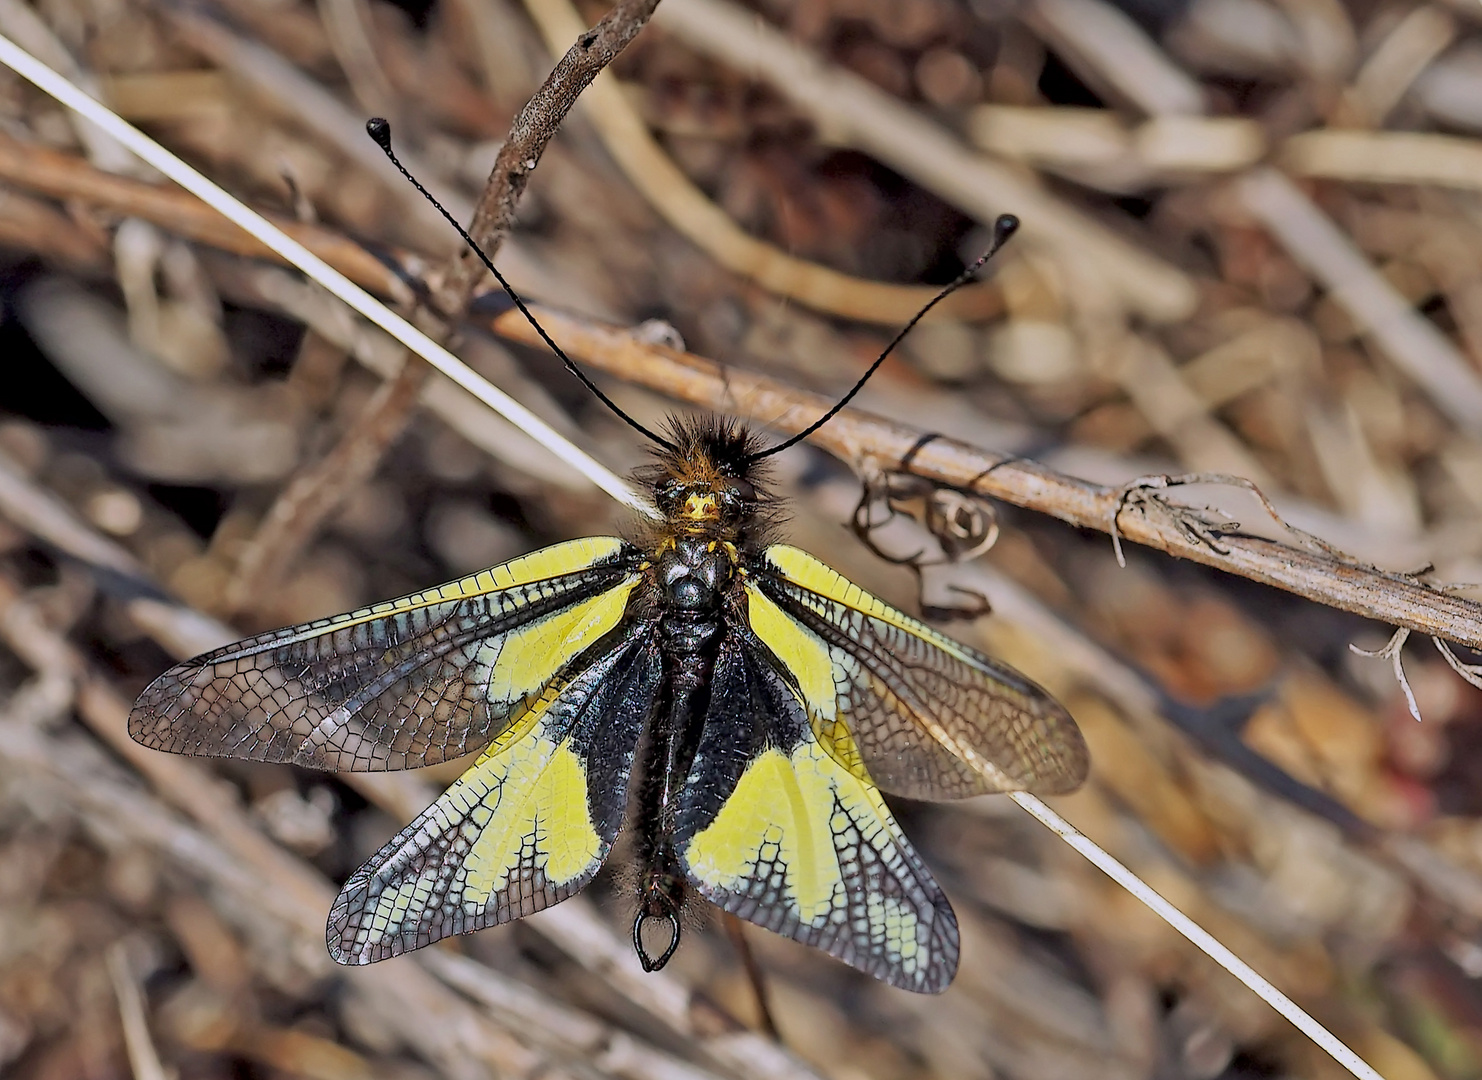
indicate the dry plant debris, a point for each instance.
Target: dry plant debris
{"x":1251,"y":247}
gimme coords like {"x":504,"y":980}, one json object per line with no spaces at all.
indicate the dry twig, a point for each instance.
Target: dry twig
{"x":321,"y":489}
{"x":858,"y":437}
{"x":534,"y":126}
{"x":1375,"y":594}
{"x":65,"y":176}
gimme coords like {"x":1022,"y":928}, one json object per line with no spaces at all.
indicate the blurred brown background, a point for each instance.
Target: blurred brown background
{"x":1252,"y":244}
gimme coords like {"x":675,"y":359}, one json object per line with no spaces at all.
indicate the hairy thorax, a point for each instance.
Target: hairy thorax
{"x":714,"y":511}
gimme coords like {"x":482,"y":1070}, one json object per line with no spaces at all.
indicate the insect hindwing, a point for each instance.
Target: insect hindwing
{"x":527,"y":826}
{"x":825,"y":695}
{"x":410,"y":682}
{"x":774,"y":830}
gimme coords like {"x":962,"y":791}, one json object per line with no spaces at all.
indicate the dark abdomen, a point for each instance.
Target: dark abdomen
{"x":691,"y":578}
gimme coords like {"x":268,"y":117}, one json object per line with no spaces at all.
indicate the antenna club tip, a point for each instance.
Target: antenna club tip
{"x":1004,"y":227}
{"x":379,"y":128}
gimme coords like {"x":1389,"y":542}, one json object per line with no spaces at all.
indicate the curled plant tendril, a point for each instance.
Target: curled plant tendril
{"x":1472,"y":673}
{"x":963,"y":524}
{"x":974,"y":607}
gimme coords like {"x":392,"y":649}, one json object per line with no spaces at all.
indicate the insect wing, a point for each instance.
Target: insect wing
{"x":773,"y":829}
{"x":915,"y":712}
{"x":398,"y":685}
{"x":525,"y":827}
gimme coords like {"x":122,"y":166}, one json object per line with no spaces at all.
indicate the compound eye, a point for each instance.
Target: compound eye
{"x":744,"y":490}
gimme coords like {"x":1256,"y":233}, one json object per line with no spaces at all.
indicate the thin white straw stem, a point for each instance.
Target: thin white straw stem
{"x":146,"y":148}
{"x":1197,"y":935}
{"x":27,"y":66}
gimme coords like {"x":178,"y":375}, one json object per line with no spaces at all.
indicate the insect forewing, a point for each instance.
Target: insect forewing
{"x":405,"y":683}
{"x":917,"y":713}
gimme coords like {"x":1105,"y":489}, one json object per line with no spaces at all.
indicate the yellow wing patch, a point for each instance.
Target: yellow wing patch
{"x":522,"y":810}
{"x":527,"y":658}
{"x":770,"y":823}
{"x":817,"y":671}
{"x":817,"y":576}
{"x":530,"y":793}
{"x":804,"y":846}
{"x":803,"y":653}
{"x":526,"y":799}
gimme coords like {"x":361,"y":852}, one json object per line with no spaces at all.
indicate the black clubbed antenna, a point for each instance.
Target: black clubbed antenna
{"x":1003,"y":228}
{"x":379,"y":129}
